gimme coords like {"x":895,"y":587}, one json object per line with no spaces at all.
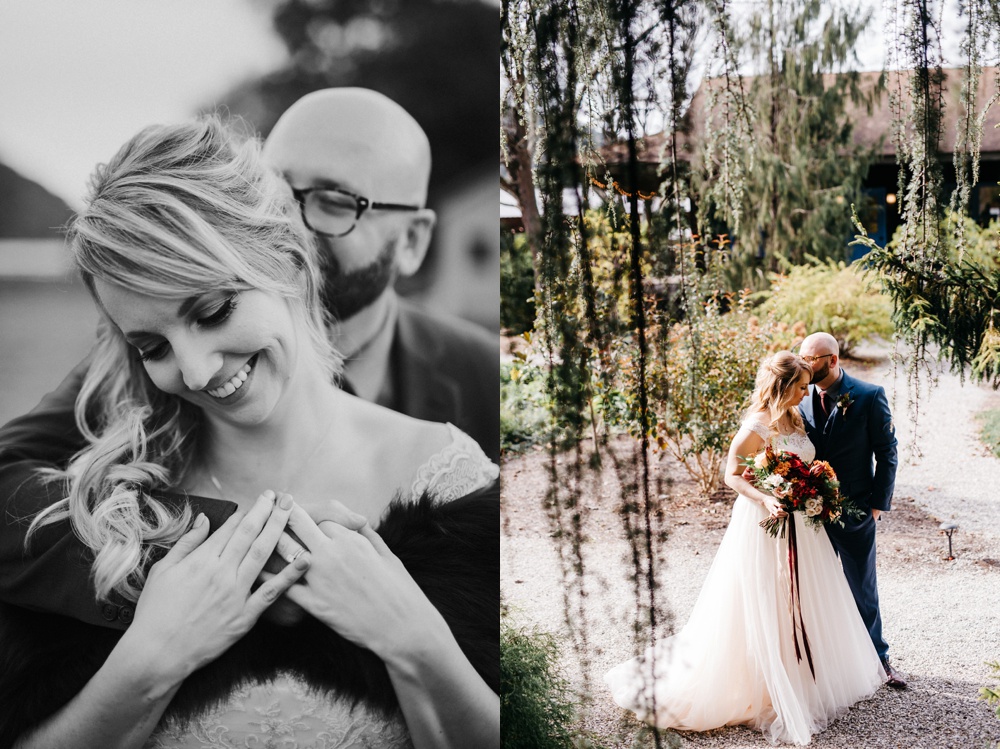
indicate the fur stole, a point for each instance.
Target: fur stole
{"x":450,"y":549}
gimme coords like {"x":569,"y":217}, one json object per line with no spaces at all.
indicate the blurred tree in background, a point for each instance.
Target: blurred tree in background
{"x":430,"y":56}
{"x":435,"y":58}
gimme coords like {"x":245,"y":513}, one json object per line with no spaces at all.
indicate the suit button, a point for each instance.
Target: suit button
{"x":109,"y":611}
{"x":125,"y":614}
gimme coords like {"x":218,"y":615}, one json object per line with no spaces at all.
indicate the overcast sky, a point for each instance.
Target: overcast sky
{"x":79,"y":77}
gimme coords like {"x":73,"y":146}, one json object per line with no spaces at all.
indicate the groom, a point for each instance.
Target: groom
{"x":850,"y":424}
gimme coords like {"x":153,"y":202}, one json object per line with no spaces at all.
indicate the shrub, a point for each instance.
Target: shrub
{"x":982,"y":244}
{"x":524,"y":416}
{"x":990,"y":431}
{"x":991,"y":695}
{"x":536,"y":705}
{"x":517,"y":283}
{"x":832,"y":297}
{"x":701,"y":383}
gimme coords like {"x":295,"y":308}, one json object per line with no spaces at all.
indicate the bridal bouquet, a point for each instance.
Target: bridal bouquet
{"x":812,"y":489}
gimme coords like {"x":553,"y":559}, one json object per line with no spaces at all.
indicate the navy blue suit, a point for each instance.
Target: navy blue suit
{"x":859,"y":441}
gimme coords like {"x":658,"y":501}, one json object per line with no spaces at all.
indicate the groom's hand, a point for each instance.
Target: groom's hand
{"x":283,"y":611}
{"x":876,"y":513}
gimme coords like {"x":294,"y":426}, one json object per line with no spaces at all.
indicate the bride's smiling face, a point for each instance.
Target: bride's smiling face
{"x":798,"y":390}
{"x":231,"y":354}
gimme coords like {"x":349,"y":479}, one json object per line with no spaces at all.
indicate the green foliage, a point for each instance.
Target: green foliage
{"x":990,"y":430}
{"x":779,"y":165}
{"x":829,"y":296}
{"x":537,"y":709}
{"x":991,"y":695}
{"x":978,"y":245}
{"x":701,"y":379}
{"x":517,"y":283}
{"x":524,"y":410}
{"x":942,"y":296}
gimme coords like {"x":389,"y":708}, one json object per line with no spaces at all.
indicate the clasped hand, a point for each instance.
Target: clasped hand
{"x":198,"y":599}
{"x":357,"y":586}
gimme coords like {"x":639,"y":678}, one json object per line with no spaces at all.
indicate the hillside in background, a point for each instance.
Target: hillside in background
{"x":28,"y":210}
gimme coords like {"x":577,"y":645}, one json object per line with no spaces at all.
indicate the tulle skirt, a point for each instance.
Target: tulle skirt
{"x":734,"y":662}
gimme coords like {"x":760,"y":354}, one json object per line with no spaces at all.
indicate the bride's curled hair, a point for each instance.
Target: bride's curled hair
{"x":777,"y":376}
{"x":179,"y":211}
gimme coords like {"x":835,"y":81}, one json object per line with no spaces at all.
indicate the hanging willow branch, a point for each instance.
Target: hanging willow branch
{"x":947,"y":300}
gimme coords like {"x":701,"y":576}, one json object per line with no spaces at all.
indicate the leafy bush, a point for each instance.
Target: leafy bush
{"x":982,"y":244}
{"x":536,"y":704}
{"x":517,"y":283}
{"x":702,"y":381}
{"x":524,"y":416}
{"x":832,"y":297}
{"x":990,"y":431}
{"x":991,"y":695}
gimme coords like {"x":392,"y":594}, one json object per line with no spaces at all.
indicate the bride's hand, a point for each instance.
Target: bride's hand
{"x":773,"y":507}
{"x":285,"y":612}
{"x":197,"y":600}
{"x":359,"y":588}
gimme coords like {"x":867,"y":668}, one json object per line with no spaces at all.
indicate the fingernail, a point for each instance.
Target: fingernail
{"x":268,"y":495}
{"x":301,"y":561}
{"x":286,"y":501}
{"x":200,"y":520}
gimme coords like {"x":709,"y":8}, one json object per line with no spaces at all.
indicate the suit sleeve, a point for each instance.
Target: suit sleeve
{"x":882,"y":435}
{"x":54,"y":572}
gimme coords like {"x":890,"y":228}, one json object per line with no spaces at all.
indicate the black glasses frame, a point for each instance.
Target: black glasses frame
{"x":362,"y":204}
{"x":814,"y":359}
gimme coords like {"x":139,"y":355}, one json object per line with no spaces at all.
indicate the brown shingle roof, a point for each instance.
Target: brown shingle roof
{"x":868,"y":128}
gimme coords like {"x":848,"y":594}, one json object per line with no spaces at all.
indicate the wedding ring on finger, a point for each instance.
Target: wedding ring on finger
{"x":289,"y":549}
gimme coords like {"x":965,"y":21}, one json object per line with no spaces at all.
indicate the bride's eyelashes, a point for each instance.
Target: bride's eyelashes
{"x":221,"y":313}
{"x":215,"y":317}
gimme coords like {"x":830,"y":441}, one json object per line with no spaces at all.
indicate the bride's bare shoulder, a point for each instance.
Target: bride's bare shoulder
{"x":409,"y":442}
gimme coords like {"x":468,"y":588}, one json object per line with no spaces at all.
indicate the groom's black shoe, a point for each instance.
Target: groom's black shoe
{"x":895,"y":680}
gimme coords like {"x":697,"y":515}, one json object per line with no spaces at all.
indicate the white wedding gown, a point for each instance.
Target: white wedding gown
{"x":734,"y":661}
{"x":285,"y":714}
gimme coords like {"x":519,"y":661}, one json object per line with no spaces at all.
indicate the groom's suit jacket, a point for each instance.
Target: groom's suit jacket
{"x":858,"y":440}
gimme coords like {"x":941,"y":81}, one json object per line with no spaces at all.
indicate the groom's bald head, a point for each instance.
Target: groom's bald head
{"x":822,"y":352}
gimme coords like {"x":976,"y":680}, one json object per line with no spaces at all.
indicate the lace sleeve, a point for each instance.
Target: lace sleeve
{"x":757,"y":426}
{"x":458,"y":469}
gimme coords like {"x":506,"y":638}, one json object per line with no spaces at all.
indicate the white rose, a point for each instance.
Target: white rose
{"x":761,"y":460}
{"x":774,"y":480}
{"x":814,"y":507}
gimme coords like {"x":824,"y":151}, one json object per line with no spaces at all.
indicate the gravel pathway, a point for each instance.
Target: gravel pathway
{"x":940,"y":617}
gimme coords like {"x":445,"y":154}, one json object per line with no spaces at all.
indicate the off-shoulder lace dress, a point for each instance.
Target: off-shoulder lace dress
{"x":285,"y":714}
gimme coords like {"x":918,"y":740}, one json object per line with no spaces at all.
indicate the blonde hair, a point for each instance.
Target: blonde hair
{"x":179,"y":211}
{"x":776,"y":377}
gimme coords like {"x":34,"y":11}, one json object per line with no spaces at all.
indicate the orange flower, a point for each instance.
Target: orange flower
{"x":782,"y":468}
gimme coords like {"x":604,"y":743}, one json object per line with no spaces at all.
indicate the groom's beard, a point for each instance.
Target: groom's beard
{"x":819,"y":374}
{"x":345,"y":293}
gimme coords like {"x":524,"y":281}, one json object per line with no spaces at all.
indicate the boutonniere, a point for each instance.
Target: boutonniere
{"x":843,"y":403}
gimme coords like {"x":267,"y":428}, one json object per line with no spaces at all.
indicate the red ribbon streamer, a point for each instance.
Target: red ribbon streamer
{"x":796,"y":603}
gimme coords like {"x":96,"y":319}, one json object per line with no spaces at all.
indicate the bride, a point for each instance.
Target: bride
{"x":735,"y":661}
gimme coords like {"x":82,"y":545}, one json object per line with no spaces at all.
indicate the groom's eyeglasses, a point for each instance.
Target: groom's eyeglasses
{"x":811,"y":359}
{"x":335,"y":213}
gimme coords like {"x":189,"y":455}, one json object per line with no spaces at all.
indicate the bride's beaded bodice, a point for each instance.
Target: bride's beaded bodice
{"x":797,"y":442}
{"x":285,"y":714}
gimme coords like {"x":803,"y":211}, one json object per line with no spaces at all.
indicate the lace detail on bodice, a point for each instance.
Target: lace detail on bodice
{"x":284,"y":714}
{"x":459,"y":468}
{"x":798,"y":443}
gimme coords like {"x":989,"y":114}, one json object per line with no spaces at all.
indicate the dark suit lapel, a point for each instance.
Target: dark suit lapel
{"x":837,"y":414}
{"x":423,"y":390}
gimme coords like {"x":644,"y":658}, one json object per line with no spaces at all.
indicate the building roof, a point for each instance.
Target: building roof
{"x":870,"y":129}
